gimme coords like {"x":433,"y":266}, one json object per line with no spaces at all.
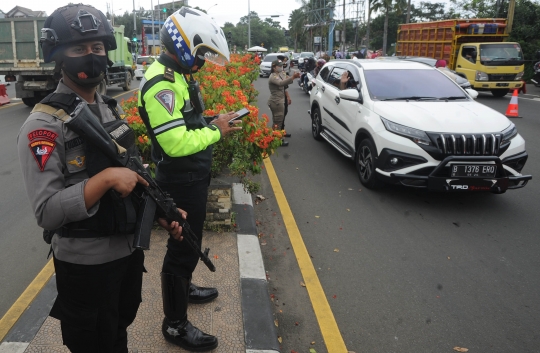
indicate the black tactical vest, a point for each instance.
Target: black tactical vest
{"x":115,"y":215}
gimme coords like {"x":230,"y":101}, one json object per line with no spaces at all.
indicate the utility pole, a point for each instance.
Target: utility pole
{"x":153,"y":35}
{"x":408,"y":11}
{"x":249,"y":26}
{"x":344,"y":29}
{"x":331,"y":31}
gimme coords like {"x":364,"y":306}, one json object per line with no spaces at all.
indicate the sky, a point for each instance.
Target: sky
{"x":224,"y":11}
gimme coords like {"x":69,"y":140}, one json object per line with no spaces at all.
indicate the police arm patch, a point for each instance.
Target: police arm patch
{"x":166,"y":98}
{"x":42,"y":144}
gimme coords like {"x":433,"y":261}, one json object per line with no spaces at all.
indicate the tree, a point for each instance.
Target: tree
{"x":386,"y":6}
{"x":296,"y":26}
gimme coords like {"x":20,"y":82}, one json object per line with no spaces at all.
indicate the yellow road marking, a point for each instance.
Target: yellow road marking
{"x":10,"y":105}
{"x":29,"y":294}
{"x":327,"y":323}
{"x":33,"y":289}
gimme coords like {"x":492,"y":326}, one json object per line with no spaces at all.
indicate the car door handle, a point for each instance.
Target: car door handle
{"x":459,"y":66}
{"x":322,"y":88}
{"x":337,"y":100}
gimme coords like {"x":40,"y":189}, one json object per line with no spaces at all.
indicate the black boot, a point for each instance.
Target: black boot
{"x":201,"y":295}
{"x":176,"y":328}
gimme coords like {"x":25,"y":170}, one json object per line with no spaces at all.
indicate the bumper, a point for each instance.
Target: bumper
{"x":139,"y":74}
{"x":497,"y":85}
{"x":440,"y":180}
{"x":264,"y":72}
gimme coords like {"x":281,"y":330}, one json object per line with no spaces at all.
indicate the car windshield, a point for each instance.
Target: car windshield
{"x":411,"y":85}
{"x":306,"y":55}
{"x":270,"y":58}
{"x":146,"y":59}
{"x":500,"y":52}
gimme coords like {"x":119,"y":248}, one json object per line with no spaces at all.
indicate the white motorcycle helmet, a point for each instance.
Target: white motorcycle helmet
{"x":194,"y":37}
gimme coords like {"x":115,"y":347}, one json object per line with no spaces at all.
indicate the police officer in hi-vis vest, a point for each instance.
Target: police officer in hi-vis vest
{"x":84,"y":203}
{"x":171,"y":106}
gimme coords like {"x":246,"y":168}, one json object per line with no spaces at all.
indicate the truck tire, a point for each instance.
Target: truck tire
{"x":31,"y":101}
{"x":500,"y":92}
{"x":127,"y":87}
{"x":102,"y":88}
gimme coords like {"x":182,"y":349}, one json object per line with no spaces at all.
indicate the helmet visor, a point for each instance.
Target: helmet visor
{"x":212,"y":55}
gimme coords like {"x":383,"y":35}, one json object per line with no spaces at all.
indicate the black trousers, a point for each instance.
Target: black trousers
{"x":180,"y":259}
{"x":96,"y":303}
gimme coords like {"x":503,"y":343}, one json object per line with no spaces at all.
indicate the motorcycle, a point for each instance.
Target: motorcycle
{"x":309,"y":79}
{"x":536,"y":77}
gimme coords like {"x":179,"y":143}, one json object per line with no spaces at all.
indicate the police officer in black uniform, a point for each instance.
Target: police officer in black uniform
{"x":85,"y":204}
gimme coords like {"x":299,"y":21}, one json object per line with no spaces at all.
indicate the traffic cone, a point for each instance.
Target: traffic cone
{"x":4,"y":99}
{"x":512,"y":111}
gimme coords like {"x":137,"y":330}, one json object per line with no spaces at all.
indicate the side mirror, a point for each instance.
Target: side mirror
{"x":351,"y":94}
{"x":473,"y":93}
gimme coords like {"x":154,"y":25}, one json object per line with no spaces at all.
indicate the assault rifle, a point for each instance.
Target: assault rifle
{"x":87,"y":125}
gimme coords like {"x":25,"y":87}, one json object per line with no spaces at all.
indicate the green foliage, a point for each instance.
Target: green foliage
{"x":525,"y":31}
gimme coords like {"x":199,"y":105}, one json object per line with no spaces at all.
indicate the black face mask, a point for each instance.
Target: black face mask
{"x":86,"y":71}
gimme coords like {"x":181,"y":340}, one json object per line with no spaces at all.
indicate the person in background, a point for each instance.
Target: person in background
{"x":279,"y":97}
{"x":320,"y":64}
{"x":441,"y":66}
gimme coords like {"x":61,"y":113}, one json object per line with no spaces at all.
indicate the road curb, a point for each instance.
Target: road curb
{"x":28,"y":325}
{"x":259,"y":330}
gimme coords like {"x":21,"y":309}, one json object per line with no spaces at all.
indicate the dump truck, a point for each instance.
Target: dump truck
{"x":21,"y":60}
{"x":474,"y":48}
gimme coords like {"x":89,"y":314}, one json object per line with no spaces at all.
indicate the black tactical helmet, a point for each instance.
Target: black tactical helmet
{"x":74,"y":24}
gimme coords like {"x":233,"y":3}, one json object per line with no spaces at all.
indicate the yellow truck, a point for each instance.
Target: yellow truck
{"x":474,"y":48}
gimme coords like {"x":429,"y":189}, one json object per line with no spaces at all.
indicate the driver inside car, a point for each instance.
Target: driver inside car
{"x":347,"y":81}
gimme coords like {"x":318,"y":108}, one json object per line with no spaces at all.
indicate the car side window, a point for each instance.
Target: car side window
{"x":335,"y":77}
{"x":324,"y":73}
{"x":354,"y":78}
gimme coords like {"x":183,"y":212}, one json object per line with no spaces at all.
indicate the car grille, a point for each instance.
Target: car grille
{"x":501,"y":77}
{"x":467,"y":144}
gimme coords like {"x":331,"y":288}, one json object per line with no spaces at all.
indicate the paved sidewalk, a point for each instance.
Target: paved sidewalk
{"x":240,"y":317}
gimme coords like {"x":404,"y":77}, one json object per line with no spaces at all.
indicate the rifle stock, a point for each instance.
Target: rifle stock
{"x":83,"y":122}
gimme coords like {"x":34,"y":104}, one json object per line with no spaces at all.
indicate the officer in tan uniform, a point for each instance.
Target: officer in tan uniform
{"x":85,"y":205}
{"x":277,"y":83}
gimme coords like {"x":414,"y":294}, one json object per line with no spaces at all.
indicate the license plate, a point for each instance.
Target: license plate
{"x":502,"y":84}
{"x":474,"y":171}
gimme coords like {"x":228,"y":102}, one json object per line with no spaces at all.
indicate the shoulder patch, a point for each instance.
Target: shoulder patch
{"x":42,"y":144}
{"x":169,"y":74}
{"x":166,"y":98}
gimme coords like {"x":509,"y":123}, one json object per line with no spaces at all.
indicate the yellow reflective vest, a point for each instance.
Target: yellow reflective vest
{"x":181,"y":139}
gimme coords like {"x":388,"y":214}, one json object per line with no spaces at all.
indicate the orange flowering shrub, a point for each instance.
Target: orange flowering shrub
{"x":224,"y":89}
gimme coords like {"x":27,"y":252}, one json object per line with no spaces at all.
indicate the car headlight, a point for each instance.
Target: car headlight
{"x":508,"y":134}
{"x":481,"y":76}
{"x":416,"y":135}
{"x":519,"y":75}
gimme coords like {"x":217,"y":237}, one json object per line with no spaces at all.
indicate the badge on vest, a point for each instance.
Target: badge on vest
{"x":78,"y":161}
{"x":42,"y":145}
{"x":166,"y":98}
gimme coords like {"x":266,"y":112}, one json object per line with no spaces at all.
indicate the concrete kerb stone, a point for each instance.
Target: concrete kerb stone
{"x":259,"y":329}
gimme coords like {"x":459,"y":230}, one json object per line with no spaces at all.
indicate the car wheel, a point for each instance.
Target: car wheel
{"x":366,"y":155}
{"x":316,"y":124}
{"x":500,"y":92}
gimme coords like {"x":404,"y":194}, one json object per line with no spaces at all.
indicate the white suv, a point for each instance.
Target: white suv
{"x":407,"y":123}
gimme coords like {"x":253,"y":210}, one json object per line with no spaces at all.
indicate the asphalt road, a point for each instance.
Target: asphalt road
{"x":23,"y":253}
{"x":403,"y":270}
